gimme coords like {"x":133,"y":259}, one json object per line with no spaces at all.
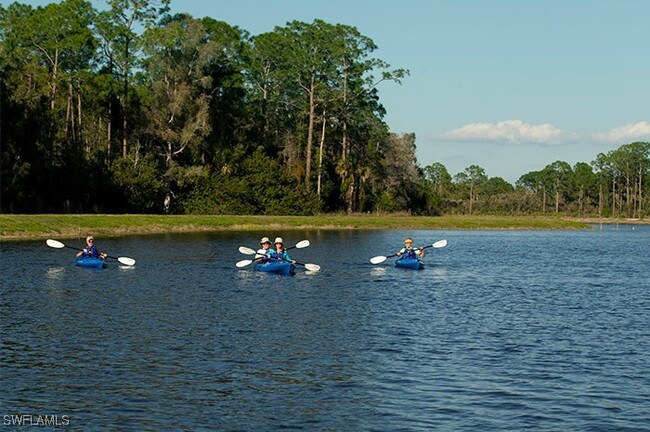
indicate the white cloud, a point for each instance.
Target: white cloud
{"x":625,"y":134}
{"x":518,"y":132}
{"x":508,"y":131}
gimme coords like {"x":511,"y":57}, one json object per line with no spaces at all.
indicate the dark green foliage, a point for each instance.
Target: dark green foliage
{"x":190,"y":115}
{"x":136,"y":187}
{"x":260,"y":186}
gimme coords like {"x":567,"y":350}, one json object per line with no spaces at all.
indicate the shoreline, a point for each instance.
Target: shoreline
{"x":42,"y":226}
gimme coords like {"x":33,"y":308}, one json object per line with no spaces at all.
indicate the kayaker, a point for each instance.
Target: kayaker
{"x":264,"y":250}
{"x":280,"y":253}
{"x":91,"y":250}
{"x":408,"y":251}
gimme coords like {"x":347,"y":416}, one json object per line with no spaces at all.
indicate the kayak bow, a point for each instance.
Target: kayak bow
{"x":90,"y":262}
{"x":410,"y":263}
{"x":278,"y":267}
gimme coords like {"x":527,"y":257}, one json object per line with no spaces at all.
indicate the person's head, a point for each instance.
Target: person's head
{"x":265,"y":243}
{"x":90,"y":240}
{"x":408,"y":242}
{"x":279,"y":243}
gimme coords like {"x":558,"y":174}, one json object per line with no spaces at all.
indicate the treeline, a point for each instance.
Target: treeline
{"x":615,"y":184}
{"x":131,"y":109}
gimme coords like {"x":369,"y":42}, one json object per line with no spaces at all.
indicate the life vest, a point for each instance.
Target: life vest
{"x":409,"y":253}
{"x":92,"y":252}
{"x":279,"y":256}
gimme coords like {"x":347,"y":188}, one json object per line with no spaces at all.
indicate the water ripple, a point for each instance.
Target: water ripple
{"x":501,"y":331}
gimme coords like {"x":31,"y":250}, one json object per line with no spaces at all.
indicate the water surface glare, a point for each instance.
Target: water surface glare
{"x":504,"y":330}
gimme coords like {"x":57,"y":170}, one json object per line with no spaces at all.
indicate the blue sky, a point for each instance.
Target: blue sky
{"x":510,"y":85}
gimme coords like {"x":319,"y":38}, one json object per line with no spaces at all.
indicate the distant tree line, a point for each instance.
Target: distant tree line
{"x":131,"y":109}
{"x":614,"y":185}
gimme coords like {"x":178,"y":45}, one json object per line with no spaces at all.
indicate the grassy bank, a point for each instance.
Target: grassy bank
{"x":23,"y":227}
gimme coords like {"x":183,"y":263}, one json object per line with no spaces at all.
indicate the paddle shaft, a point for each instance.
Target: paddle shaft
{"x":248,"y":251}
{"x":286,"y":249}
{"x":79,"y":249}
{"x":260,"y":259}
{"x":262,"y":256}
{"x":423,"y":247}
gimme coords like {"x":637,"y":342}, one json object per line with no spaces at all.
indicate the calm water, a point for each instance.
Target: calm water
{"x":504,"y":330}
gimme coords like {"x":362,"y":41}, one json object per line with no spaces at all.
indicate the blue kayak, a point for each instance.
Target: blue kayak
{"x":410,"y":263}
{"x":276,"y":266}
{"x":90,"y":262}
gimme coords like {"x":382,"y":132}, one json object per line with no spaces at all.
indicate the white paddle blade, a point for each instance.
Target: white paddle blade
{"x":312,"y":267}
{"x":302,"y":244}
{"x":243,"y":263}
{"x":246,"y":251}
{"x":440,"y":244}
{"x":54,"y":244}
{"x":126,"y":261}
{"x":378,"y":259}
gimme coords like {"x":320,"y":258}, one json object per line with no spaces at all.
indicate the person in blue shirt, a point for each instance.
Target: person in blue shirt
{"x":91,"y":250}
{"x":408,"y":252}
{"x":280,"y":253}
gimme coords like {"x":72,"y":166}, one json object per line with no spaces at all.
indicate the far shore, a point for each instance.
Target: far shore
{"x":41,"y":226}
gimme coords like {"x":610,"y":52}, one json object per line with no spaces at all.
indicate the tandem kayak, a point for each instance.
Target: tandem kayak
{"x":90,"y":262}
{"x":410,"y":263}
{"x":279,"y":267}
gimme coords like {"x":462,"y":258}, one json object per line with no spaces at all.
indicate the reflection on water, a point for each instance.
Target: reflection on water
{"x":439,"y":272}
{"x":126,"y":268}
{"x":54,"y":272}
{"x":501,"y":331}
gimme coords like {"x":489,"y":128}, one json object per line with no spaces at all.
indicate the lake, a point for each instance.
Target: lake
{"x":503,"y":330}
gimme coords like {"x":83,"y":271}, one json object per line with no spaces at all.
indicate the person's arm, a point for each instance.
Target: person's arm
{"x":264,"y":255}
{"x":400,"y":252}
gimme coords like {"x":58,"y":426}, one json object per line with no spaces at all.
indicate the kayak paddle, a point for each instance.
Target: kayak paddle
{"x":58,"y":245}
{"x":244,"y":263}
{"x":308,"y":266}
{"x":380,"y":259}
{"x":300,"y":245}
